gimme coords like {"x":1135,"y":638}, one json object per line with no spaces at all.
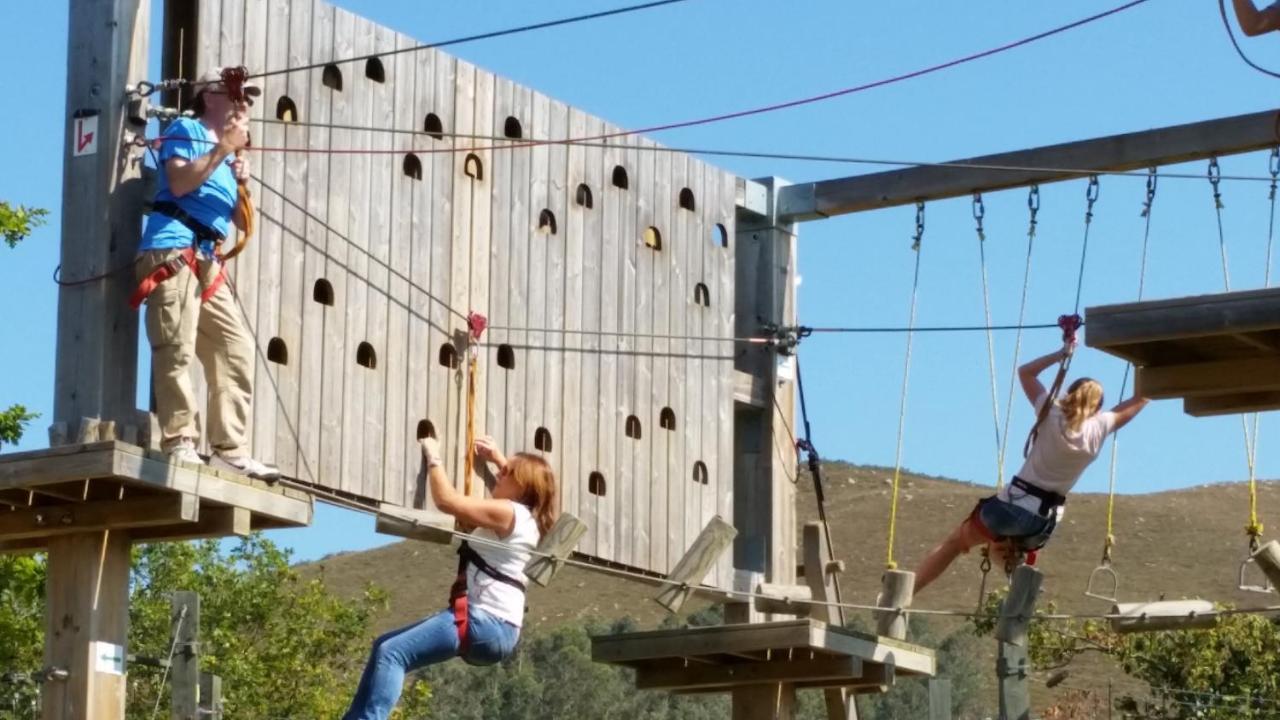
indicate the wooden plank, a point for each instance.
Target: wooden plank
{"x":211,"y":487}
{"x":98,"y":516}
{"x":446,"y":173}
{"x":698,"y":560}
{"x":613,"y":206}
{"x":750,"y":390}
{"x":571,"y":441}
{"x":822,"y":588}
{"x":1179,"y":318}
{"x":1250,"y":375}
{"x":33,"y":469}
{"x":537,"y":127}
{"x":626,"y":530}
{"x":658,"y":384}
{"x":1231,"y":404}
{"x":554,"y":356}
{"x":482,"y":195}
{"x":1130,"y":151}
{"x":695,"y":326}
{"x":693,"y":641}
{"x":427,"y":525}
{"x":559,"y":543}
{"x":517,"y":430}
{"x":464,"y":111}
{"x":679,"y":489}
{"x":724,"y":677}
{"x":422,"y":354}
{"x":500,"y":271}
{"x":642,"y":377}
{"x":712,"y":263}
{"x":722,"y":306}
{"x":338,"y":357}
{"x":184,"y":667}
{"x":591,"y":408}
{"x":315,"y":315}
{"x":208,"y":39}
{"x":214,"y":522}
{"x":1019,"y":606}
{"x":400,"y":425}
{"x":356,"y":388}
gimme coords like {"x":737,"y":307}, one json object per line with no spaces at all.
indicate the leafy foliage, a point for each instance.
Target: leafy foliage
{"x":13,"y":422}
{"x":17,"y":221}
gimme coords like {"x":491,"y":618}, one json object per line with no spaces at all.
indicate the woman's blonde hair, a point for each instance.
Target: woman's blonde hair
{"x":1082,"y":401}
{"x":537,"y":483}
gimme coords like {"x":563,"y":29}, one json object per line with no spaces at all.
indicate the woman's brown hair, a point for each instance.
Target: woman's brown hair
{"x":1082,"y":401}
{"x":537,"y":483}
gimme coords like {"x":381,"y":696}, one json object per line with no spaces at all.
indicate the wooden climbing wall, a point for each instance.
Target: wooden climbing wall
{"x":367,"y":263}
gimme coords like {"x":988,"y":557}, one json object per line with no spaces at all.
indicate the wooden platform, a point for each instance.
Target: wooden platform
{"x":1220,"y":353}
{"x":804,"y":653}
{"x":82,"y":488}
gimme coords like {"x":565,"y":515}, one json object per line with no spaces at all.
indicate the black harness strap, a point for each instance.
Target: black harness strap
{"x":468,"y":556}
{"x":202,"y":232}
{"x":1049,"y":500}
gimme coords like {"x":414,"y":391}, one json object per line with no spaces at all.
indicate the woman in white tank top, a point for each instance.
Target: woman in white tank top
{"x":486,"y":605}
{"x":1024,"y":513}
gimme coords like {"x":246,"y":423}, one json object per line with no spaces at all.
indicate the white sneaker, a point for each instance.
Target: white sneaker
{"x":184,"y":452}
{"x":244,"y":466}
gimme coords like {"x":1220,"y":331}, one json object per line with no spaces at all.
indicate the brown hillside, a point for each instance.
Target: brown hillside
{"x":1185,"y":543}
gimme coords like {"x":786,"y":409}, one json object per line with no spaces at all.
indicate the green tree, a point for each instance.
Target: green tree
{"x":17,"y":222}
{"x":13,"y":422}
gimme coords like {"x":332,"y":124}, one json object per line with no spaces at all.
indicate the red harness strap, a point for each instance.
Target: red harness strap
{"x":173,"y":267}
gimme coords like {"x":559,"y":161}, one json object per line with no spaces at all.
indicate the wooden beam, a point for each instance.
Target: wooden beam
{"x":783,"y":599}
{"x":1131,"y":151}
{"x":674,"y":676}
{"x":1232,"y":404}
{"x":1220,"y":377}
{"x":214,"y":522}
{"x":1163,"y":615}
{"x":184,"y":668}
{"x":697,"y":561}
{"x":1230,"y":313}
{"x":108,"y":515}
{"x":559,"y":543}
{"x":426,"y":525}
{"x":75,"y":491}
{"x":824,"y":587}
{"x":57,"y":465}
{"x":874,"y":675}
{"x":683,"y":642}
{"x":751,"y":390}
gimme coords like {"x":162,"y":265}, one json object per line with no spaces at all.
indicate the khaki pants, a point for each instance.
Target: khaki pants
{"x":180,"y":329}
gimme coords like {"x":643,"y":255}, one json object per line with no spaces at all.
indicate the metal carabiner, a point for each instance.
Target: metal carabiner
{"x":915,"y":240}
{"x":979,"y":212}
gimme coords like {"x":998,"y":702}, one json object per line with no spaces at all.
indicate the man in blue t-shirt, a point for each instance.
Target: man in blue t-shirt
{"x":1254,"y":21}
{"x":191,"y":313}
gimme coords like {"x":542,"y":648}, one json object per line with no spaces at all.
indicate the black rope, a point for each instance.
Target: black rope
{"x":1222,"y":8}
{"x":480,"y":36}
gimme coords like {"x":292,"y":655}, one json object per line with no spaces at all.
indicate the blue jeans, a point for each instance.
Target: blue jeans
{"x":428,"y":641}
{"x":1026,"y":529}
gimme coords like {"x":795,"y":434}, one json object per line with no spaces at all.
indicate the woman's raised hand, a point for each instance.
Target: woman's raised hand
{"x":430,"y":451}
{"x":487,"y":450}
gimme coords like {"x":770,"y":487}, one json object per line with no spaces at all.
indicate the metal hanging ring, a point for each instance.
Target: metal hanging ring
{"x":1091,"y":194}
{"x":1033,"y":199}
{"x":1215,"y":172}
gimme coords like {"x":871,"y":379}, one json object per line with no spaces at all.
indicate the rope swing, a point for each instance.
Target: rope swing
{"x":890,"y":563}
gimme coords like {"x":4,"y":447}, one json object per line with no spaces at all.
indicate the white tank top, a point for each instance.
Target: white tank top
{"x":493,"y":596}
{"x":1059,"y":456}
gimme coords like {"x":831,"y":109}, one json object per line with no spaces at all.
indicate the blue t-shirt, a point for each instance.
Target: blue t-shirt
{"x":211,"y":204}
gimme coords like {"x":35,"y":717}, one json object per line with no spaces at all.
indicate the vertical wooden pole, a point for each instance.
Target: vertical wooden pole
{"x":939,"y":698}
{"x":210,"y":696}
{"x":764,"y":461}
{"x":818,"y":576}
{"x":1012,"y":665}
{"x":896,"y":591}
{"x":102,"y":195}
{"x":86,"y":626}
{"x":184,"y":671}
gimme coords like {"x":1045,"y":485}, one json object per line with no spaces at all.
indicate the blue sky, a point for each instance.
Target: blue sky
{"x":1163,"y":63}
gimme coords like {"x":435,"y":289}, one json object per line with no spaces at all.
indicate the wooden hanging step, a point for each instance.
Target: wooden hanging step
{"x":807,"y":653}
{"x":1219,"y":354}
{"x":118,"y":486}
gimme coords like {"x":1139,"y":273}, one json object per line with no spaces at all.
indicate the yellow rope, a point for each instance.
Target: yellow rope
{"x":473,"y":370}
{"x":906,"y":374}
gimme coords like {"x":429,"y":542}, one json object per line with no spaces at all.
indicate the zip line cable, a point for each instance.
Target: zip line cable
{"x":479,"y":36}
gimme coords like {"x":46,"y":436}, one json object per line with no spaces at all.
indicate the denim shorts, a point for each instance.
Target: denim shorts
{"x":1005,"y":520}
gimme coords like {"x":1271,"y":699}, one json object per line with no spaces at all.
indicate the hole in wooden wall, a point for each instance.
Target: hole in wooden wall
{"x":426,"y":429}
{"x":700,"y":473}
{"x":686,"y":199}
{"x":667,"y":419}
{"x":652,"y":238}
{"x":322,"y":292}
{"x":547,"y":222}
{"x":620,"y":177}
{"x":366,"y":357}
{"x":583,"y":196}
{"x":449,"y":356}
{"x":432,"y":126}
{"x":542,"y":439}
{"x":632,"y":427}
{"x":506,"y":357}
{"x":412,"y":166}
{"x":511,"y":128}
{"x":286,"y":109}
{"x":374,"y":71}
{"x":277,"y":352}
{"x":720,"y":236}
{"x":701,"y":295}
{"x":473,"y":167}
{"x":332,"y":77}
{"x":596,"y":484}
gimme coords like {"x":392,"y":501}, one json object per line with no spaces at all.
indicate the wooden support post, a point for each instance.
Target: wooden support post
{"x":86,"y":626}
{"x":184,"y":668}
{"x":818,"y":567}
{"x":697,"y":561}
{"x":896,"y":592}
{"x":939,"y":698}
{"x":764,"y":702}
{"x":1012,"y":665}
{"x":1267,"y":558}
{"x":210,"y":696}
{"x":559,"y":543}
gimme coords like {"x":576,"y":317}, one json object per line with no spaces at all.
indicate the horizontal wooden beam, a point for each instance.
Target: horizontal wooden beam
{"x":214,"y":522}
{"x":678,"y":676}
{"x":426,"y":525}
{"x":750,"y":390}
{"x":1221,"y":377}
{"x":1231,"y":313}
{"x":874,"y":676}
{"x":1066,"y":161}
{"x":1232,"y":404}
{"x":43,"y":522}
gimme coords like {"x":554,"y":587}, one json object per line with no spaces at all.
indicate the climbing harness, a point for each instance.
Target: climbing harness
{"x":906,"y":374}
{"x":187,"y":258}
{"x":468,"y":557}
{"x":1104,"y":583}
